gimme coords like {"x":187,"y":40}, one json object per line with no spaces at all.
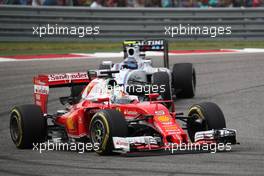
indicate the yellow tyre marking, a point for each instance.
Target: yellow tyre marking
{"x":107,"y":131}
{"x":197,"y":109}
{"x":18,"y":118}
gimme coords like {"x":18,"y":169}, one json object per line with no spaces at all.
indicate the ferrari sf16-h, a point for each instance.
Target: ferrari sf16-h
{"x":112,"y":119}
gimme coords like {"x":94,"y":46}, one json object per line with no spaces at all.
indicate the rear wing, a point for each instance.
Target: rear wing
{"x":149,"y":45}
{"x":42,"y":84}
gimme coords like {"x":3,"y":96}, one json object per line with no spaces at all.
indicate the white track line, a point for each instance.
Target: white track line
{"x":6,"y":59}
{"x":120,"y":54}
{"x":46,"y":59}
{"x":253,"y":50}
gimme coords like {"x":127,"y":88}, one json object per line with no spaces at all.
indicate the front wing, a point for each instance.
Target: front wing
{"x":150,"y":143}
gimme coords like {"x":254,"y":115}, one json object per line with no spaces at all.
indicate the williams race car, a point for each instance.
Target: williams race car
{"x":111,"y":119}
{"x":136,"y":69}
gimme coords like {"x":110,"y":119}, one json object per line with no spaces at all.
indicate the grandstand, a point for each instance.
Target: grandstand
{"x":140,"y":3}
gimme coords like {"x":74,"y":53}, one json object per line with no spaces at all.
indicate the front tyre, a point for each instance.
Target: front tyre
{"x":206,"y":116}
{"x":27,"y":126}
{"x":105,"y":125}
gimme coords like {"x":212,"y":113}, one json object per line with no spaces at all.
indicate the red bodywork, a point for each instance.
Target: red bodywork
{"x":42,"y":84}
{"x":76,"y":121}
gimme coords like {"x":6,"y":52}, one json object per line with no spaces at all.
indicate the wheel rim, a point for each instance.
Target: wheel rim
{"x":14,"y":128}
{"x":98,"y":132}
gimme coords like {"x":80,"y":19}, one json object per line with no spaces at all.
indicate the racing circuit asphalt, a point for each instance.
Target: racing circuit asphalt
{"x":234,"y":81}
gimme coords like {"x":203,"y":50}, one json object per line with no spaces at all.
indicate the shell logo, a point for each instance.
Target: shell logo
{"x":171,"y":128}
{"x":70,"y":124}
{"x":164,"y":118}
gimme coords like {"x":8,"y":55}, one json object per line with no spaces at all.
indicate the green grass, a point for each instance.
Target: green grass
{"x":20,"y":48}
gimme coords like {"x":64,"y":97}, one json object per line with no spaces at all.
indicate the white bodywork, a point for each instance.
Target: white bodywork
{"x":144,"y":68}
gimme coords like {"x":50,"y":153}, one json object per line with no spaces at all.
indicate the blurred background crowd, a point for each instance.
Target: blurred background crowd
{"x":140,"y":3}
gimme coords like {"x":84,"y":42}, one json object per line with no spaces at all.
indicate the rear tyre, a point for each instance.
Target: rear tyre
{"x":105,"y":125}
{"x":27,"y":126}
{"x":162,"y":80}
{"x":207,"y":116}
{"x":184,"y":80}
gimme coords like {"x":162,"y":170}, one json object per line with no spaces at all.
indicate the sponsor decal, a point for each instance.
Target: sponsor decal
{"x":171,"y":128}
{"x":160,"y":112}
{"x":145,"y":42}
{"x":67,"y":76}
{"x":70,"y":124}
{"x":121,"y":143}
{"x":141,"y":140}
{"x":164,"y":118}
{"x":147,"y":45}
{"x":124,"y":143}
{"x":39,"y":89}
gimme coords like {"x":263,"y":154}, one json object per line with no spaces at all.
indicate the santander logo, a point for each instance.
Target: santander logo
{"x":67,"y":76}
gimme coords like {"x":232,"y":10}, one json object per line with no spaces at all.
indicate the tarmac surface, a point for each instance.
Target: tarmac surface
{"x":234,"y":81}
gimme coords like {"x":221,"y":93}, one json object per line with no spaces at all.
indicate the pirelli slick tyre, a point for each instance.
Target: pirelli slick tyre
{"x":206,"y":116}
{"x":184,"y":80}
{"x":105,"y":125}
{"x":27,"y":126}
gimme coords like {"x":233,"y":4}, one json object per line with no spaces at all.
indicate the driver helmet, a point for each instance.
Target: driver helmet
{"x":121,"y":97}
{"x":130,"y":63}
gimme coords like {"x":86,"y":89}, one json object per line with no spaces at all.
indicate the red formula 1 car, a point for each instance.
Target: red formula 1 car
{"x":112,"y":120}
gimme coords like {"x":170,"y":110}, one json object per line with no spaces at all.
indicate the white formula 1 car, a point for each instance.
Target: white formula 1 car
{"x":138,"y":71}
